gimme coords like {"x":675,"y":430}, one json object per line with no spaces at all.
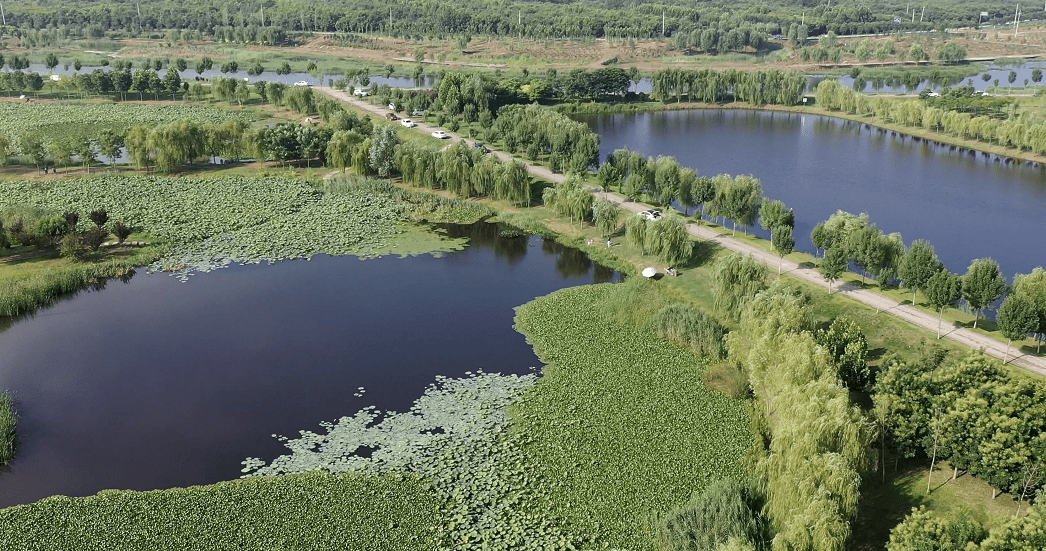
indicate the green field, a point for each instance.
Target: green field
{"x":87,"y":118}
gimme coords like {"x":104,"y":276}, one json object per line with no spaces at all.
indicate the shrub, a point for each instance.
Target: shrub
{"x":48,"y":232}
{"x":99,"y":217}
{"x":94,"y":237}
{"x":23,"y":237}
{"x":72,"y":246}
{"x":121,"y":231}
{"x":726,"y":510}
{"x":72,"y":218}
{"x":690,"y":327}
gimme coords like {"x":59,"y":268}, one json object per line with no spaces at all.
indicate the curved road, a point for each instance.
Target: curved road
{"x":906,"y":312}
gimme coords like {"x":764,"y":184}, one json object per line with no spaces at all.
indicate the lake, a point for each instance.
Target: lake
{"x":153,"y":383}
{"x":968,"y":204}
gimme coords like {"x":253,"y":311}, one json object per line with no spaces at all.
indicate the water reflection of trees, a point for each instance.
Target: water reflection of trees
{"x":98,"y":284}
{"x":570,"y":262}
{"x":505,"y":241}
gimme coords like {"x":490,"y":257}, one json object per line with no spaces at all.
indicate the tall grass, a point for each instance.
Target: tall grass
{"x":22,"y":295}
{"x":689,"y":326}
{"x":8,"y":420}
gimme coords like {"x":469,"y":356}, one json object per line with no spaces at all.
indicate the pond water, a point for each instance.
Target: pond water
{"x":968,"y":204}
{"x":155,"y":383}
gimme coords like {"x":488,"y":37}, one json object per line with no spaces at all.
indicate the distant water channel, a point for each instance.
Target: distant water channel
{"x":154,"y":383}
{"x":969,"y":205}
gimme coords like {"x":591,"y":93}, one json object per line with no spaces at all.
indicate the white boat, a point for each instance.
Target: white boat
{"x":649,"y":272}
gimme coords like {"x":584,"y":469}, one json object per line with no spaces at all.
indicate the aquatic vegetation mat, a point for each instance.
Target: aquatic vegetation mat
{"x":214,"y":222}
{"x":621,"y":424}
{"x":62,"y":119}
{"x":302,"y":512}
{"x":456,"y":437}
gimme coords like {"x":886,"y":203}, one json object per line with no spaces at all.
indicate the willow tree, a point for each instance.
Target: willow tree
{"x":342,"y":146}
{"x":736,"y":278}
{"x":605,"y":216}
{"x":669,"y":240}
{"x":636,"y":233}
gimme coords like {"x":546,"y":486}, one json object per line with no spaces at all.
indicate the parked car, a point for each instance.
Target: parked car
{"x":440,"y":134}
{"x":651,"y":214}
{"x":481,"y":147}
{"x":360,"y":92}
{"x":393,"y":106}
{"x":408,"y":123}
{"x":417,"y":113}
{"x":391,"y":116}
{"x":301,"y":83}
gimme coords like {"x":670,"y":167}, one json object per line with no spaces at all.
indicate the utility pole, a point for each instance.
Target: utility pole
{"x":922,"y":14}
{"x":663,"y":22}
{"x":519,"y":23}
{"x":804,"y":18}
{"x":2,"y":16}
{"x":1016,"y":20}
{"x":139,"y":5}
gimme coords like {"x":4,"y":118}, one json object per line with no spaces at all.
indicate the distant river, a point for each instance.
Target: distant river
{"x":969,"y":205}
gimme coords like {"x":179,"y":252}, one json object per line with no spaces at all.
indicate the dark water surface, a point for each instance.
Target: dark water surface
{"x":157,"y":384}
{"x":968,"y":205}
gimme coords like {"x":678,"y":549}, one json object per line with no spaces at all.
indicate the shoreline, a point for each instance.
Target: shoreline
{"x":932,"y":136}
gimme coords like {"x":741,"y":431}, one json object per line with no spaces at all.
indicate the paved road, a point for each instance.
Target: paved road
{"x":906,"y":312}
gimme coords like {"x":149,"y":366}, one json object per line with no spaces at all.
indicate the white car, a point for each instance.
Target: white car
{"x":933,"y":95}
{"x":651,"y":214}
{"x":440,"y":134}
{"x":392,"y":106}
{"x":301,"y":83}
{"x":417,"y":113}
{"x":408,"y":123}
{"x":360,"y":93}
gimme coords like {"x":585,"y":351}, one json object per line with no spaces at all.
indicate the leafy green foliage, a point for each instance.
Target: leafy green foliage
{"x":986,"y":422}
{"x":626,"y":432}
{"x":736,"y":278}
{"x":848,"y":351}
{"x":982,"y":284}
{"x":300,"y":512}
{"x":925,"y":531}
{"x":726,"y":510}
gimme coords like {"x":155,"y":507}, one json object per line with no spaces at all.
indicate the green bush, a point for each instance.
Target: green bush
{"x":725,"y":510}
{"x":689,"y":326}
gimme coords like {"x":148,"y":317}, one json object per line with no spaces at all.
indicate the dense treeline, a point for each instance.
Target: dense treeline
{"x":851,"y":239}
{"x":538,"y":130}
{"x":1020,"y":132}
{"x":971,"y":413}
{"x":814,"y":444}
{"x":756,"y":87}
{"x":464,"y":171}
{"x":265,"y":22}
{"x":960,"y":531}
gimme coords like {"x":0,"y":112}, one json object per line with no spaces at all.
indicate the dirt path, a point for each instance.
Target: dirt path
{"x":906,"y":312}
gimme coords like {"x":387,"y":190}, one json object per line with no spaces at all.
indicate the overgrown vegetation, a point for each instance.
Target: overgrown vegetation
{"x":297,"y":512}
